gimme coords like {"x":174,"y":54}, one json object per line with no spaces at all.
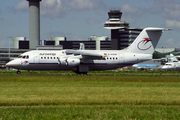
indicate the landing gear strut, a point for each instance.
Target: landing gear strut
{"x":81,"y":70}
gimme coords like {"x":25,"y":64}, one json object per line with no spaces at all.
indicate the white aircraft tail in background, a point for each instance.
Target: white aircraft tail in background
{"x":81,"y":46}
{"x":82,"y":61}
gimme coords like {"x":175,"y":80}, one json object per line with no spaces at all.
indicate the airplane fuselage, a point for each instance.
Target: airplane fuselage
{"x":59,"y":60}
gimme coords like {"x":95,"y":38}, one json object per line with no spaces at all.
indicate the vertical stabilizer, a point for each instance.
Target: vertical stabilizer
{"x":81,"y":46}
{"x":146,"y":41}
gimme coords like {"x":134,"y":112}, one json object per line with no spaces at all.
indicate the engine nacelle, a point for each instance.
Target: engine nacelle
{"x":62,"y":61}
{"x":72,"y":62}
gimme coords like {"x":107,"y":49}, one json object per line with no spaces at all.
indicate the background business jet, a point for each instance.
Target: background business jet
{"x":82,"y":61}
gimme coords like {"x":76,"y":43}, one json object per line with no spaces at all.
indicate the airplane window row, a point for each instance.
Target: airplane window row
{"x":111,"y":58}
{"x":24,"y":56}
{"x":48,"y":57}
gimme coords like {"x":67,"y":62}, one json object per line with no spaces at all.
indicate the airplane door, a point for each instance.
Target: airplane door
{"x":36,"y":57}
{"x":121,"y":58}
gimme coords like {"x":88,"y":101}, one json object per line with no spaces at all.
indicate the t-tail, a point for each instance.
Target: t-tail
{"x":81,"y":46}
{"x":146,"y":41}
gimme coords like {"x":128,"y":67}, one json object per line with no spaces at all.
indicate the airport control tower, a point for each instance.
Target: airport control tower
{"x":115,"y":24}
{"x":34,"y":23}
{"x":121,"y":34}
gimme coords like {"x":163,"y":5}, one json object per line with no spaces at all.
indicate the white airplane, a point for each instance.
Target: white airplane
{"x":144,"y":66}
{"x":172,"y":64}
{"x":82,"y":61}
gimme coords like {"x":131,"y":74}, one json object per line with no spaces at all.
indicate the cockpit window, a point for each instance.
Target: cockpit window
{"x":24,"y":56}
{"x":168,"y":64}
{"x":19,"y":56}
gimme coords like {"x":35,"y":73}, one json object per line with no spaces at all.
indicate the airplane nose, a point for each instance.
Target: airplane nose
{"x":14,"y":63}
{"x":9,"y":64}
{"x":163,"y":67}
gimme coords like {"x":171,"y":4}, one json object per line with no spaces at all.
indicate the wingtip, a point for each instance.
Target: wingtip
{"x":167,"y":29}
{"x":155,"y":28}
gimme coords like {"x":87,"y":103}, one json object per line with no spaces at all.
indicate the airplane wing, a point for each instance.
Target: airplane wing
{"x":87,"y":54}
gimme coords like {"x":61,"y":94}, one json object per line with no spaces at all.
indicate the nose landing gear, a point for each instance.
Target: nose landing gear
{"x":18,"y":72}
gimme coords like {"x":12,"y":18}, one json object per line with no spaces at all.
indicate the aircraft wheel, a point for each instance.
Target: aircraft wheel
{"x":18,"y":72}
{"x":84,"y":73}
{"x":81,"y":73}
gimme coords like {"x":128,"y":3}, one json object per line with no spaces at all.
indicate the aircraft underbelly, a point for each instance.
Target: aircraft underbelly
{"x":41,"y":66}
{"x":92,"y":66}
{"x":103,"y":67}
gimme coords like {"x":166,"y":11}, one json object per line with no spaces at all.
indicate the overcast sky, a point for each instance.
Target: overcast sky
{"x":80,"y":19}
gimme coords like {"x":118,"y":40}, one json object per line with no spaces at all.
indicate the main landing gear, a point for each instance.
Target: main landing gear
{"x":81,"y":70}
{"x":81,"y":73}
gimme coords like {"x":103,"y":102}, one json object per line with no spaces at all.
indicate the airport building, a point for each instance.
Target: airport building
{"x":121,"y":36}
{"x":93,"y":43}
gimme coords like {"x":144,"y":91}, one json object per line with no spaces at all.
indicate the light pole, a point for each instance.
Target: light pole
{"x":163,"y":51}
{"x":9,"y":47}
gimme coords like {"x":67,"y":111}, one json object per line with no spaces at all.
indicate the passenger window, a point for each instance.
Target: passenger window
{"x":47,"y":57}
{"x":41,"y":57}
{"x":27,"y":57}
{"x":51,"y":57}
{"x":54,"y":57}
{"x":44,"y":57}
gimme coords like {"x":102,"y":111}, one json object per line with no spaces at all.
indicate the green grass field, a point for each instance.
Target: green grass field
{"x":99,"y":95}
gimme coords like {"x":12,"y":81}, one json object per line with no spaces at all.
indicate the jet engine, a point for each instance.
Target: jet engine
{"x":62,"y":61}
{"x":72,"y":62}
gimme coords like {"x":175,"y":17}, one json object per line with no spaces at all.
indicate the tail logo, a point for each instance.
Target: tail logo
{"x":144,"y":44}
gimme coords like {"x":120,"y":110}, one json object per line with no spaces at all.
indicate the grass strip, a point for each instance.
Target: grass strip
{"x":55,"y":96}
{"x":89,"y":90}
{"x":91,"y":112}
